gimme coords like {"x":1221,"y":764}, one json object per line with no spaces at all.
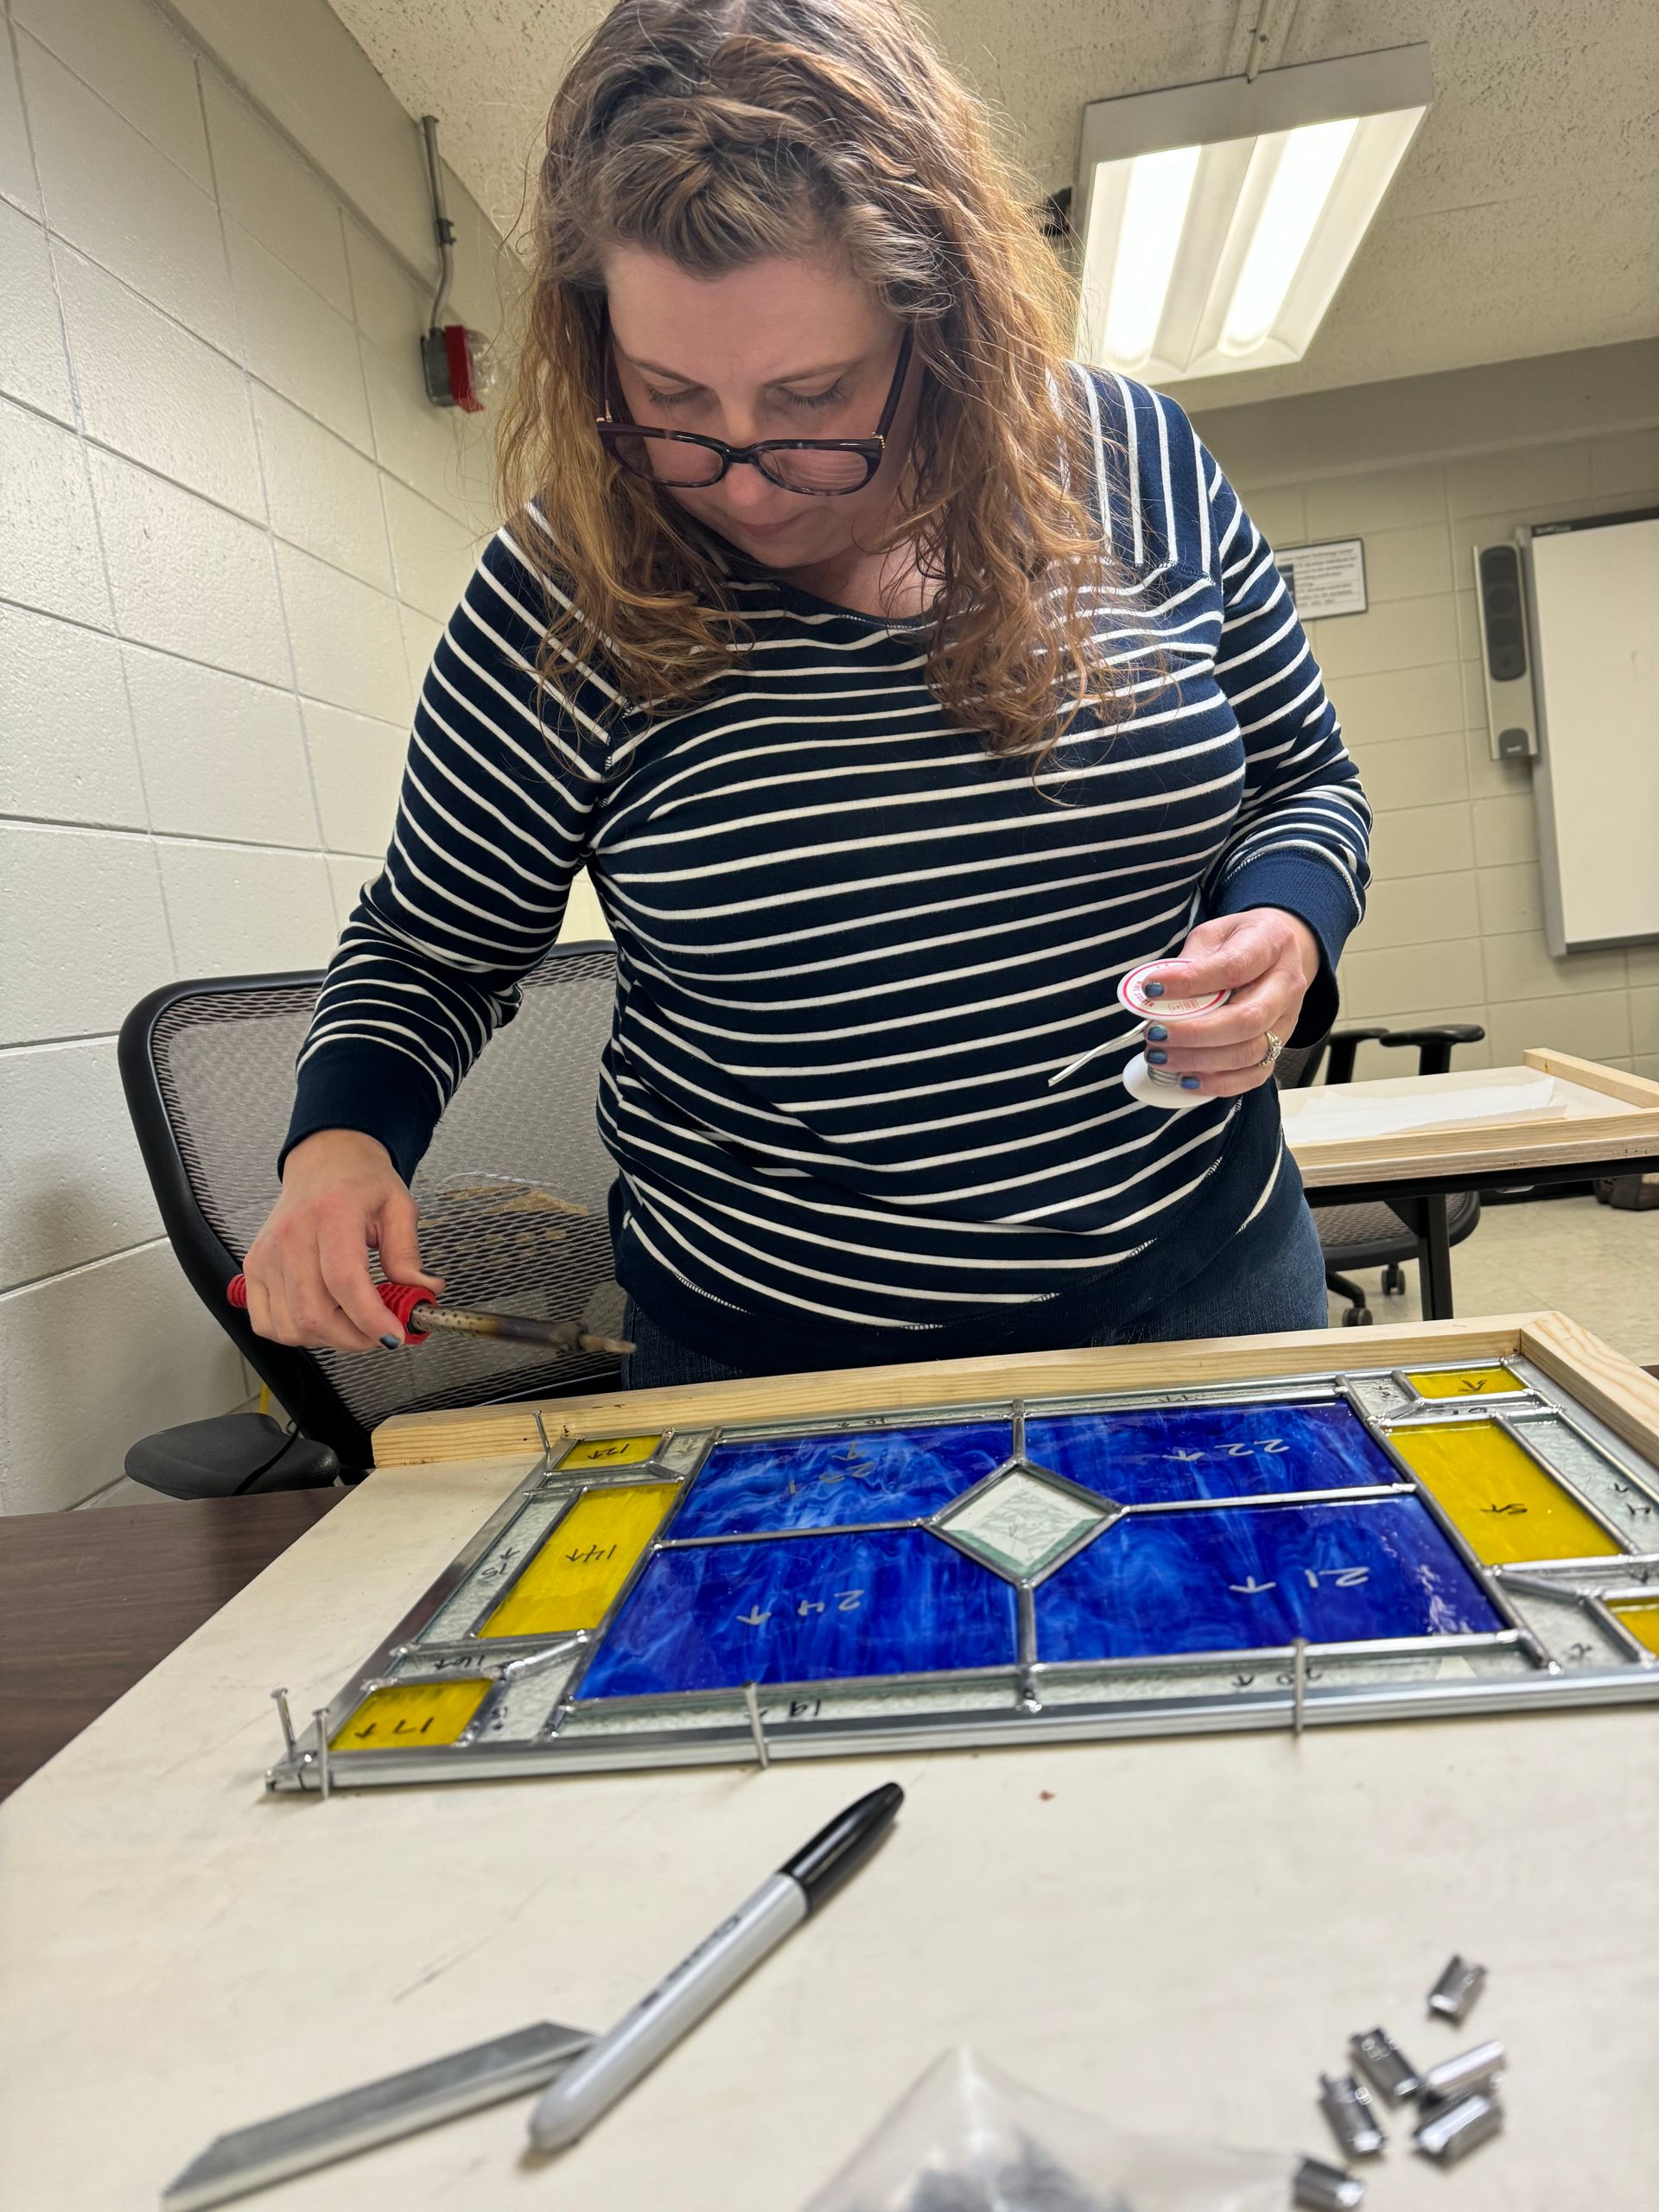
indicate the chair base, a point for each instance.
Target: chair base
{"x":1359,"y":1315}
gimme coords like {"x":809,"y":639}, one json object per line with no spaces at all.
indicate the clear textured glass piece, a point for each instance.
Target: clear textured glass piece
{"x":1569,"y":1630}
{"x":1019,"y":1523}
{"x":1607,"y":1484}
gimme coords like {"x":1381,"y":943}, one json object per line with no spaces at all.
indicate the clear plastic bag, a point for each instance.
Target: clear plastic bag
{"x":967,"y":2138}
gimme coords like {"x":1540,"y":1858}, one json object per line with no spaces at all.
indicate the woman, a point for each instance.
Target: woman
{"x":901,"y":686}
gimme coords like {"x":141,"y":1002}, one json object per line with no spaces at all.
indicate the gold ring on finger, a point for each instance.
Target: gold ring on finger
{"x":1275,"y":1046}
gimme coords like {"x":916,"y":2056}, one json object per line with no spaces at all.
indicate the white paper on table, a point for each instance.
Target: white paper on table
{"x":1399,"y":1104}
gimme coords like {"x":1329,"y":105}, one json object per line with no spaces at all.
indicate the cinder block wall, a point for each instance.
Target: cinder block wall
{"x":1423,"y":469}
{"x":231,"y":528}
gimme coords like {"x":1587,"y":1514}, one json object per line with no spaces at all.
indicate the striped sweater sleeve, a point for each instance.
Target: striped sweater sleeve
{"x":493,"y":821}
{"x":1303,"y":832}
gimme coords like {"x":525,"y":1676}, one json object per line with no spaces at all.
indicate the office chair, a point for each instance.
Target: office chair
{"x":512,"y":1212}
{"x":1374,"y":1235}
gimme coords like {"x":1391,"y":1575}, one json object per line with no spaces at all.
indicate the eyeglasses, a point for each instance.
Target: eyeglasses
{"x":825,"y":468}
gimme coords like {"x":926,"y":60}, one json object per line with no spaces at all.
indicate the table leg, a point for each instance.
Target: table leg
{"x":1433,"y":1257}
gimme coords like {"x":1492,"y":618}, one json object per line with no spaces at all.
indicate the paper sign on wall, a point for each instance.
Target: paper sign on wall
{"x":1325,"y":580}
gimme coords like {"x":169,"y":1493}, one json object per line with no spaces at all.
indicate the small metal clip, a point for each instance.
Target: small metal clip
{"x":1457,"y":1989}
{"x":280,"y":1698}
{"x":1470,"y":2072}
{"x":1326,"y":2189}
{"x":1389,"y":2069}
{"x":755,"y":1728}
{"x":1459,"y":2128}
{"x":1346,"y":2103}
{"x":547,"y":1447}
{"x":1298,"y":1684}
{"x":324,"y":1779}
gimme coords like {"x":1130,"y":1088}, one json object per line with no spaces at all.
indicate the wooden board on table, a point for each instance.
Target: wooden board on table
{"x":492,"y":1432}
{"x":1610,"y":1117}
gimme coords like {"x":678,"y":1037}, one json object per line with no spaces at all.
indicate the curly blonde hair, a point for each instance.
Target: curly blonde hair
{"x":717,"y":132}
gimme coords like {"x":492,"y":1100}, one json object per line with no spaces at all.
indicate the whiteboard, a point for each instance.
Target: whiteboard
{"x":1594,"y":591}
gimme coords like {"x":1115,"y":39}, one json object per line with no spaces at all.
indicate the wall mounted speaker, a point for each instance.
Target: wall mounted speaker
{"x":1506,"y":657}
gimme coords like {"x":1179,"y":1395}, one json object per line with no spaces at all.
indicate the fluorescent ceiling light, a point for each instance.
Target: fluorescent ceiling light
{"x":1218,"y":220}
{"x":1153,"y":215}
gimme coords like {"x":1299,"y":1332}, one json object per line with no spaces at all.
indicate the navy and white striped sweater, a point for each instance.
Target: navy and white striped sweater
{"x":852,"y":946}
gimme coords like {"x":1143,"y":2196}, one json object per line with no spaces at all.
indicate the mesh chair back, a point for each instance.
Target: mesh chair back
{"x":511,"y":1194}
{"x":1297,"y":1064}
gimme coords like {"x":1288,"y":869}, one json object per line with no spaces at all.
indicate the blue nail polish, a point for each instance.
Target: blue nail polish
{"x":1189,"y":1083}
{"x":1156,"y":1059}
{"x":1152,"y":990}
{"x":1158,"y":1036}
{"x":392,"y":1343}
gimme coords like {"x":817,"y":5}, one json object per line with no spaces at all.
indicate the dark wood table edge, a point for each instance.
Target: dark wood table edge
{"x":91,"y":1601}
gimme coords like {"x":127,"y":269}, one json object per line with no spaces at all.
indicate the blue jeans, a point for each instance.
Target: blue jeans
{"x":1249,"y":1292}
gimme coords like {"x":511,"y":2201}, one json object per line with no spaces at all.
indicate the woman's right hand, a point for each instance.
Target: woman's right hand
{"x":307,"y":1269}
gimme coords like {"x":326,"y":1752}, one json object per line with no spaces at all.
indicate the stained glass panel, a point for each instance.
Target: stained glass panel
{"x":802,"y":1608}
{"x":839,"y":1480}
{"x":1239,"y":1578}
{"x":1172,"y":1566}
{"x":1160,"y":1455}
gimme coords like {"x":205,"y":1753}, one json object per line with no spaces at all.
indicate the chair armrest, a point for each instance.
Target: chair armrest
{"x":1435,"y":1042}
{"x":1343,"y":1045}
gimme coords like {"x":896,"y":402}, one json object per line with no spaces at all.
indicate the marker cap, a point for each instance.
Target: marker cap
{"x":841,"y":1849}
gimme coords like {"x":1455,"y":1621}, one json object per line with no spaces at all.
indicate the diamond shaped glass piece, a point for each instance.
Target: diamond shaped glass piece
{"x":1018,"y":1524}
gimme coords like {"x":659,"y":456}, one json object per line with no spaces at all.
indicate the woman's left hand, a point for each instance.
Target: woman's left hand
{"x":1266,"y":959}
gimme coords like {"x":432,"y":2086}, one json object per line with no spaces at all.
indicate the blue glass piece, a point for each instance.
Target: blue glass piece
{"x":803,"y":1609}
{"x":839,"y":1481}
{"x":1160,"y":1455}
{"x":1239,"y":1576}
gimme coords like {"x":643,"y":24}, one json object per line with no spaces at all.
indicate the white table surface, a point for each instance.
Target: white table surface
{"x":1177,"y":1934}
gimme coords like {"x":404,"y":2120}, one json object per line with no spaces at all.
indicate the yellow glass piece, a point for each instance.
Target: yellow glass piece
{"x":408,"y":1716}
{"x":611,"y":1452}
{"x":1464,"y":1383}
{"x":1500,"y":1500}
{"x":1640,"y":1615}
{"x":581,"y":1563}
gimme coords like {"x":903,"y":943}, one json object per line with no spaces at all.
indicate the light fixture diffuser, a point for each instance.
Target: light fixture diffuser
{"x":1218,"y":220}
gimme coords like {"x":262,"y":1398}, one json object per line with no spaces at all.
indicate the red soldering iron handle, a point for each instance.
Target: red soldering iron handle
{"x":399,"y":1298}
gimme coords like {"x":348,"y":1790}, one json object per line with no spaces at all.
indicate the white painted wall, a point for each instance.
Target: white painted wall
{"x":1423,"y":469}
{"x":232,"y":527}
